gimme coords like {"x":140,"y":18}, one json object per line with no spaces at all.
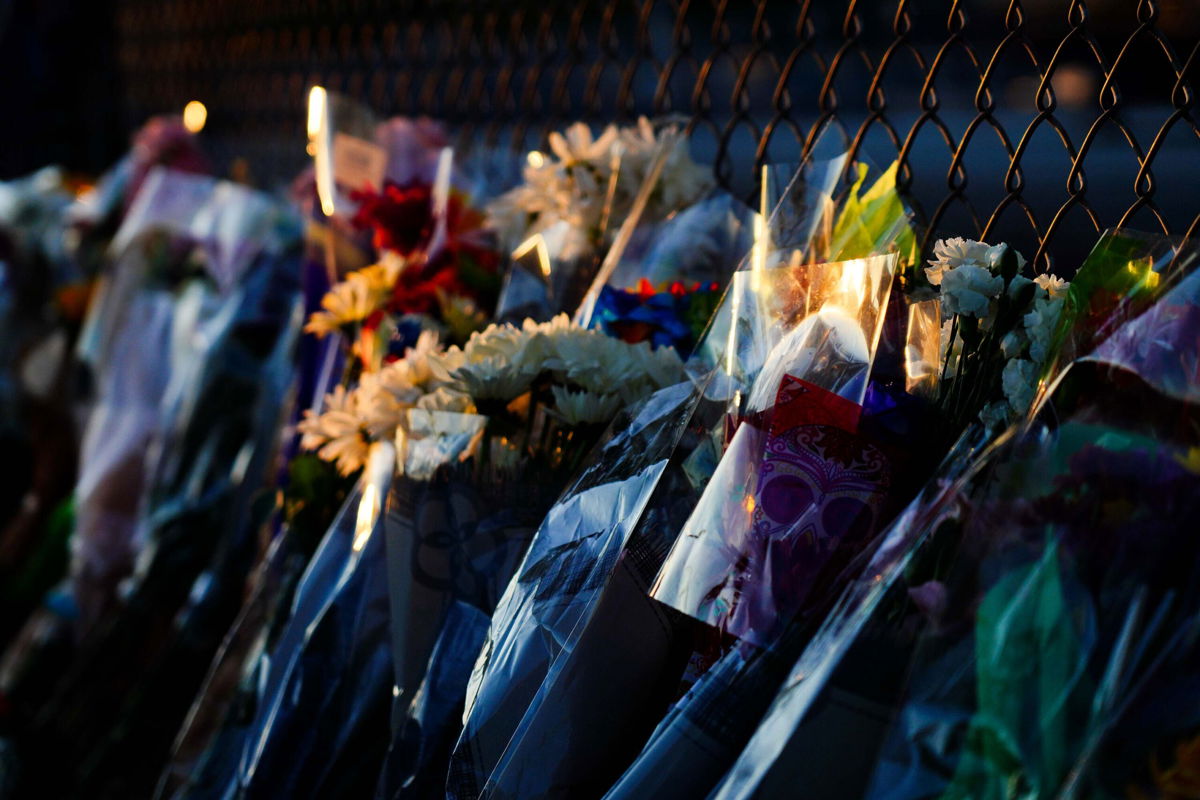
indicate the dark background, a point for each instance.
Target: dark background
{"x":1112,"y":141}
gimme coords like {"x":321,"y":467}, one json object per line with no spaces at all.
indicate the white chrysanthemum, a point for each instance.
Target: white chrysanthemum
{"x":639,"y":138}
{"x":442,"y":365}
{"x":382,"y":408}
{"x":504,"y":342}
{"x":1054,"y":286}
{"x":501,"y":362}
{"x":969,"y":289}
{"x":337,"y":433}
{"x":584,"y":408}
{"x":589,"y":359}
{"x":951,"y":253}
{"x":417,"y":359}
{"x":683,"y":181}
{"x":510,"y":215}
{"x":661,"y":366}
{"x":493,"y":378}
{"x":557,"y":325}
{"x":1019,"y":380}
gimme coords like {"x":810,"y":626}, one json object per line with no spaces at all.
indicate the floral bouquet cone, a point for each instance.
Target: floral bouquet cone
{"x":574,"y":555}
{"x":454,"y":542}
{"x":331,"y":656}
{"x":980,"y":570}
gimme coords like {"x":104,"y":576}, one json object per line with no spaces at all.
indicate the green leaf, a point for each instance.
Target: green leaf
{"x":875,"y":221}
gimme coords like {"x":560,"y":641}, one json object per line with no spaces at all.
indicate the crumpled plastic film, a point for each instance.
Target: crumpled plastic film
{"x":331,"y":670}
{"x":781,"y":479}
{"x":1021,"y":625}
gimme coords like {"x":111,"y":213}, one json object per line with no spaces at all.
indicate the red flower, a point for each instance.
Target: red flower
{"x":418,"y":290}
{"x":400,"y":216}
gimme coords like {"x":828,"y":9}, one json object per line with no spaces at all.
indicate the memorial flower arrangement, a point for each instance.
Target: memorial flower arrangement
{"x":997,"y":330}
{"x":591,"y":181}
{"x":532,"y":390}
{"x":579,"y":205}
{"x":436,"y":272}
{"x":610,"y":485}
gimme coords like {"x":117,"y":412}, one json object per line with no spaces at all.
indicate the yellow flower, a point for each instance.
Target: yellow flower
{"x":360,"y":295}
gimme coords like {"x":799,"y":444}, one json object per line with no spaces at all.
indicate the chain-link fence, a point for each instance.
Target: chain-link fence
{"x":1037,"y":122}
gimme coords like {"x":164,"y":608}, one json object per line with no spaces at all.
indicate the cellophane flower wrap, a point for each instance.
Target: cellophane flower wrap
{"x":1017,"y":613}
{"x":727,"y":681}
{"x":580,"y":206}
{"x":405,"y":152}
{"x":192,"y":347}
{"x":549,"y":664}
{"x":529,"y":405}
{"x":324,"y":689}
{"x":152,"y":295}
{"x":664,"y":284}
{"x":796,"y":474}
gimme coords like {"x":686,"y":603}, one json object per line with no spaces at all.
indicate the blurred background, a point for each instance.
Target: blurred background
{"x":1037,"y":122}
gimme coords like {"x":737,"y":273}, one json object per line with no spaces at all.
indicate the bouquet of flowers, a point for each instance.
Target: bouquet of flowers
{"x":420,"y":283}
{"x":580,"y":205}
{"x":1007,"y":564}
{"x":997,"y":332}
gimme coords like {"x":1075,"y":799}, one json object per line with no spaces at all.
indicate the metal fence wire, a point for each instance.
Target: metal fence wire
{"x":1039,"y":123}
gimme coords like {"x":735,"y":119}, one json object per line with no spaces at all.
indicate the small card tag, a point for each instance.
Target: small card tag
{"x":357,"y":163}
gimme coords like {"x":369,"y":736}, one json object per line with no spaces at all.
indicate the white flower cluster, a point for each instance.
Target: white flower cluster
{"x":595,"y":374}
{"x":572,"y":184}
{"x":968,"y":273}
{"x":591,"y":377}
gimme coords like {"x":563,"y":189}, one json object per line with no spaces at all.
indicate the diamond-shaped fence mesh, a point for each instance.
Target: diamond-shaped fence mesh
{"x":1038,"y":123}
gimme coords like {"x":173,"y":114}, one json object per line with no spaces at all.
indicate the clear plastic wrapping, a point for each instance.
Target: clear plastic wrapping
{"x":549,"y":665}
{"x":1012,"y":622}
